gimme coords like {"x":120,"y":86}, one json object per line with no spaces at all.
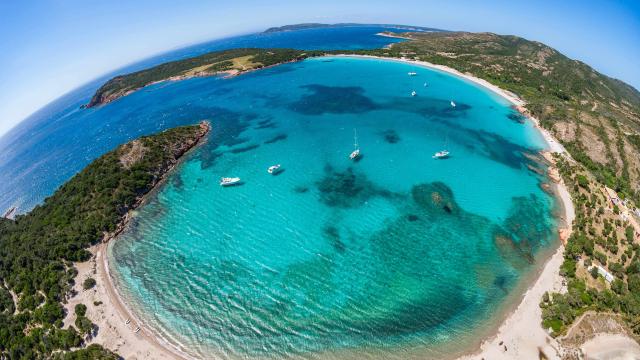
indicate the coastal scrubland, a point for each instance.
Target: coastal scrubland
{"x":602,"y":256}
{"x":38,"y":249}
{"x":230,"y":61}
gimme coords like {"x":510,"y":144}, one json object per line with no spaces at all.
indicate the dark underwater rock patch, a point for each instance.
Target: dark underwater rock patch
{"x":332,"y":234}
{"x":348,"y":189}
{"x":244,"y":149}
{"x":176,"y":181}
{"x":391,"y":136}
{"x":226,"y":126}
{"x":523,"y":231}
{"x":279,"y":137}
{"x":333,"y":99}
{"x":435,"y":197}
{"x":266,"y":124}
{"x":516,"y":117}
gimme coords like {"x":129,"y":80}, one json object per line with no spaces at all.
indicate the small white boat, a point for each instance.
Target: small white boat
{"x":425,"y":85}
{"x":441,"y":154}
{"x":411,"y":73}
{"x":414,"y":93}
{"x":273,"y":169}
{"x":356,"y":149}
{"x":225,"y":181}
{"x":453,"y":104}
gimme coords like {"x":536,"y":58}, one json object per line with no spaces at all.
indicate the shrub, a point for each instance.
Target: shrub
{"x":88,"y":283}
{"x":81,"y":309}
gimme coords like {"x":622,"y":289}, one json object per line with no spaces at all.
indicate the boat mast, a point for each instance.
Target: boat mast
{"x":355,"y":139}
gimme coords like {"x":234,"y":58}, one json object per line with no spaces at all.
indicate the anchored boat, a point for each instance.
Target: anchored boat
{"x":441,"y":154}
{"x":228,"y":181}
{"x":411,"y":73}
{"x":273,"y":169}
{"x":356,"y":149}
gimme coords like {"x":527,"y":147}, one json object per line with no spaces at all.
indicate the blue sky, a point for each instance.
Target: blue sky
{"x":49,"y":47}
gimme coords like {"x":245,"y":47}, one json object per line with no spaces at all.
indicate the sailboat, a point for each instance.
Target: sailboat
{"x":414,"y":93}
{"x":442,"y":154}
{"x":356,"y":149}
{"x":453,"y":104}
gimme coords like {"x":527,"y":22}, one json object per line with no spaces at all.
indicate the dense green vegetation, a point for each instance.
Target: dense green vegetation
{"x":207,"y":64}
{"x":37,"y":249}
{"x":600,"y":237}
{"x":91,"y":352}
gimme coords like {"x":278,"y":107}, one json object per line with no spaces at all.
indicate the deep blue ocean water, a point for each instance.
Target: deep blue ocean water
{"x":395,"y":255}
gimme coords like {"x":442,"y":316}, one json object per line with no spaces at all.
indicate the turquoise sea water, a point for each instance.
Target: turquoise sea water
{"x":395,"y":252}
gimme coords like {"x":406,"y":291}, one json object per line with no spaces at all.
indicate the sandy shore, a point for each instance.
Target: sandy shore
{"x":611,"y":347}
{"x":519,"y":336}
{"x":111,"y":315}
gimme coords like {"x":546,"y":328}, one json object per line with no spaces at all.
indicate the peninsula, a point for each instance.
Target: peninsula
{"x":231,"y":62}
{"x":38,"y":249}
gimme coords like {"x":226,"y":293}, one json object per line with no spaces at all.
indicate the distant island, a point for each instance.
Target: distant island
{"x":38,"y":249}
{"x":304,"y":26}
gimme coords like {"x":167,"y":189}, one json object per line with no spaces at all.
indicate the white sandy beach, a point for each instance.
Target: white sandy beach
{"x":111,"y":316}
{"x":520,"y":334}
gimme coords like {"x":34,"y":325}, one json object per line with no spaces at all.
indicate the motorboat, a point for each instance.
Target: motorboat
{"x":273,"y":169}
{"x":228,"y":181}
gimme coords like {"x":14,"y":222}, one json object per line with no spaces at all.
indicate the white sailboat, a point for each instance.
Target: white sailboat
{"x":228,"y":181}
{"x":442,"y":154}
{"x":414,"y":93}
{"x":356,"y":149}
{"x":453,"y":104}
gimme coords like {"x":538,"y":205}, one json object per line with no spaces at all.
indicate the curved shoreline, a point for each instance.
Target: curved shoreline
{"x":515,"y":329}
{"x":520,"y":327}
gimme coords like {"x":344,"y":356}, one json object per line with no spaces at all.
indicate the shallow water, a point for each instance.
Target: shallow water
{"x":384,"y":255}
